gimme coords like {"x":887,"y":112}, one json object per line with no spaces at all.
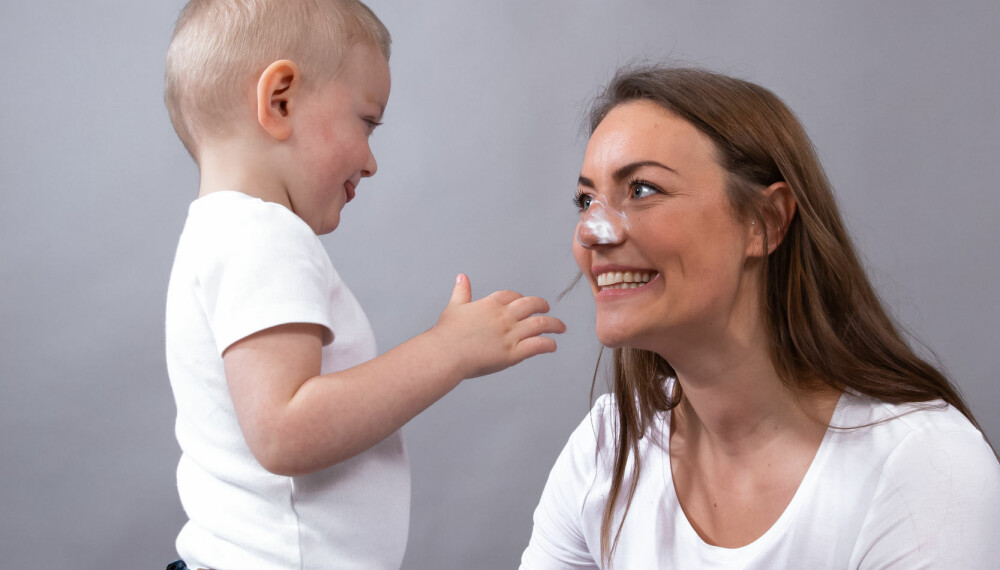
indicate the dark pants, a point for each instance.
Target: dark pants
{"x":177,"y":565}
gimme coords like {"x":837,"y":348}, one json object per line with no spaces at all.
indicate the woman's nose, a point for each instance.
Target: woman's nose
{"x":601,"y":225}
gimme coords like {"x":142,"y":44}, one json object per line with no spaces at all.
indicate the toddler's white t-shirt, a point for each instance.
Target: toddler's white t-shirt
{"x":244,"y":265}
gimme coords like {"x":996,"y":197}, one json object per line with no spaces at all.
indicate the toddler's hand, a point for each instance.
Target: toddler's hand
{"x":496,"y":331}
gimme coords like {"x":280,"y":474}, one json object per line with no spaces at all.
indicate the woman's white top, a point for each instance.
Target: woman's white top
{"x":919,"y":490}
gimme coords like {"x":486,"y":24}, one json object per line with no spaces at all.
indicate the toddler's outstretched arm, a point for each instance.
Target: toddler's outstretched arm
{"x":297,"y":421}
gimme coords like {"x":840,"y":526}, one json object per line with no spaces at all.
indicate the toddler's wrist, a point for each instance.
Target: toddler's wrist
{"x":446,"y":350}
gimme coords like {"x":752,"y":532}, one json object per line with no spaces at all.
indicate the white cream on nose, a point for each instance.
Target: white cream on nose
{"x":601,"y":224}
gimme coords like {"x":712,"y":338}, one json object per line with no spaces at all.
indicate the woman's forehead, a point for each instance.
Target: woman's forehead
{"x":645,"y":131}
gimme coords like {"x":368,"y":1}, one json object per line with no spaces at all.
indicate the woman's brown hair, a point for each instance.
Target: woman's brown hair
{"x":824,"y":319}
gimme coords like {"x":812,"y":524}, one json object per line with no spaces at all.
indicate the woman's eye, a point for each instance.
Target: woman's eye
{"x":641,"y":190}
{"x":583,"y":201}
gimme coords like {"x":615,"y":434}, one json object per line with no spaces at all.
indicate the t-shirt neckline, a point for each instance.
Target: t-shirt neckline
{"x":775,"y":532}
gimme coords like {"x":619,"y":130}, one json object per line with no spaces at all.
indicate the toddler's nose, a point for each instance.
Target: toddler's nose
{"x":371,"y":166}
{"x":601,"y":225}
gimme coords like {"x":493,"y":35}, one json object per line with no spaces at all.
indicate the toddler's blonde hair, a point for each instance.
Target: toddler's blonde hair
{"x":220,"y":48}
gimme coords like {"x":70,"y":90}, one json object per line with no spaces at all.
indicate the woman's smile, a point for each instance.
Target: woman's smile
{"x":613,"y":283}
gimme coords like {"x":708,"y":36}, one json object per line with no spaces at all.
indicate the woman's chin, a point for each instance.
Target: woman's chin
{"x":613,"y":337}
{"x":620,"y":337}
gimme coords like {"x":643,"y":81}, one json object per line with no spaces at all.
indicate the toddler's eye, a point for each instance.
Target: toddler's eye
{"x":583,"y":201}
{"x":371,"y":123}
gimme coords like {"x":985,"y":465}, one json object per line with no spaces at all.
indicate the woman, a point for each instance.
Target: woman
{"x":765,"y":412}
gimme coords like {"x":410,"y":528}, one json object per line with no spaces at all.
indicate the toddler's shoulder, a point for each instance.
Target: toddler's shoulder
{"x":235,"y":211}
{"x":227,"y":223}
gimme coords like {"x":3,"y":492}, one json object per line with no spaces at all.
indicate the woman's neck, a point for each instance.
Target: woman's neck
{"x":735,"y":403}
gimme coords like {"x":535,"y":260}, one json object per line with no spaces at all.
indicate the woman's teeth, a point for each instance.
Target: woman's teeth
{"x":624,"y":279}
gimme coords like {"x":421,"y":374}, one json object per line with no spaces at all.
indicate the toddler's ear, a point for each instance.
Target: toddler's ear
{"x":274,"y":90}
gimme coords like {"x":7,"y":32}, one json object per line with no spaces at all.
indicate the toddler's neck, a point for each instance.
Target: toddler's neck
{"x":241,"y":165}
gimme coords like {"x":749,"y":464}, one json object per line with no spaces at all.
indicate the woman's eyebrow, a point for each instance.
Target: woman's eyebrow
{"x":627,"y":170}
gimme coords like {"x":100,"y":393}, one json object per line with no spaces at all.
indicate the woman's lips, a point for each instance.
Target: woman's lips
{"x":617,"y":283}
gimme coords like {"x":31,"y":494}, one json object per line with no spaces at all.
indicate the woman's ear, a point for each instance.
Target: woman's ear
{"x":275,"y":88}
{"x":777,"y":215}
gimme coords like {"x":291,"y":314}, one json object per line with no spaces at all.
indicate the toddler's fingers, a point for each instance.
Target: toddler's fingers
{"x":533,"y":347}
{"x":526,"y":306}
{"x":504,"y":297}
{"x":538,"y":325}
{"x":462,"y":293}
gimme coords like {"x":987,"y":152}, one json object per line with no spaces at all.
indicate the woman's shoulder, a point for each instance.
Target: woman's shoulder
{"x":934,"y":482}
{"x":597,"y":434}
{"x":604,"y":410}
{"x":593,"y":440}
{"x":898,"y":422}
{"x":604,"y":416}
{"x":914,"y":440}
{"x":597,"y":428}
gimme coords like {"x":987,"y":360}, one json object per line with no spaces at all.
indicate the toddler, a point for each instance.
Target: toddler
{"x":287,"y":421}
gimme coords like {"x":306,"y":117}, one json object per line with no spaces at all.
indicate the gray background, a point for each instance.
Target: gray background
{"x":478,"y":160}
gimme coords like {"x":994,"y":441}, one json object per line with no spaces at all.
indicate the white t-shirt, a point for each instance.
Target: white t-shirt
{"x":244,"y":265}
{"x":921,"y":490}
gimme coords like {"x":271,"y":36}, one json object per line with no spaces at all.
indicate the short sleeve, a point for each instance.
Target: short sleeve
{"x":261,"y":266}
{"x":937,"y":505}
{"x":557,"y":539}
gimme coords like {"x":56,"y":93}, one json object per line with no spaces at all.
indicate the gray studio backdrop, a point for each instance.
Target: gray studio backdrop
{"x":477,"y":165}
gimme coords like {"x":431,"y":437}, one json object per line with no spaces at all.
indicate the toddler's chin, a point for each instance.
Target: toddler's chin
{"x":329,"y":225}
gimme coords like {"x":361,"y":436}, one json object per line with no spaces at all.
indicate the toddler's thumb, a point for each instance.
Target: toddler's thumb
{"x":463,"y":290}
